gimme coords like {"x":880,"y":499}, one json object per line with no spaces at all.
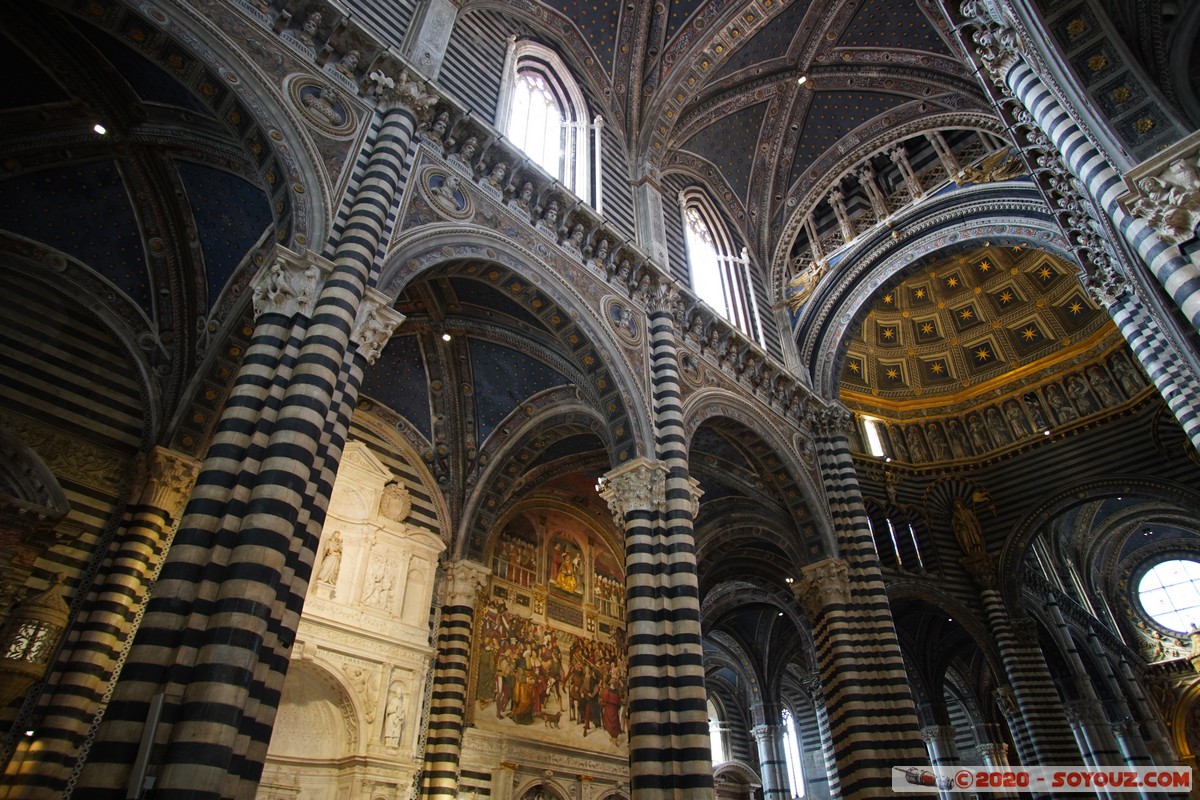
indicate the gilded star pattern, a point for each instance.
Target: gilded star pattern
{"x":966,"y":314}
{"x":1045,"y":273}
{"x":982,"y":354}
{"x":927,"y":327}
{"x":952,"y":281}
{"x":937,"y":367}
{"x":984,"y":266}
{"x":1029,"y":334}
{"x":920,"y":294}
{"x":1075,"y":308}
{"x":893,"y":373}
{"x":1006,"y":297}
{"x":889,"y":333}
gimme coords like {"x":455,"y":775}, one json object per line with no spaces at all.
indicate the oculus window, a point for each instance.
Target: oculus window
{"x":543,"y":112}
{"x":1169,"y":593}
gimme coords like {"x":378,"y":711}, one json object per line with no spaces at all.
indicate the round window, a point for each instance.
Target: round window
{"x":1170,"y":594}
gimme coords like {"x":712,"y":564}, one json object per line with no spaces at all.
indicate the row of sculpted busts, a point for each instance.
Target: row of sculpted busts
{"x":486,"y":160}
{"x":335,"y":40}
{"x":1019,"y":417}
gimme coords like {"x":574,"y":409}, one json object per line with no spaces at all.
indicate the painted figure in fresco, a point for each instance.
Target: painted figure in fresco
{"x":967,"y":532}
{"x":610,"y":700}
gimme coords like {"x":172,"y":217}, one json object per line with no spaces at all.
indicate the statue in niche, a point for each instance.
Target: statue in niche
{"x":958,"y":439}
{"x":979,"y":437}
{"x":1079,"y":394}
{"x":996,"y":425}
{"x":446,"y":193}
{"x":937,"y":441}
{"x":1058,"y":402}
{"x":1102,"y":386}
{"x":331,"y":560}
{"x":393,"y":717}
{"x":1016,"y":418}
{"x":1125,"y":375}
{"x":396,"y":502}
{"x":381,"y":586}
{"x":1035,"y":411}
{"x":965,"y":526}
{"x":915,"y":446}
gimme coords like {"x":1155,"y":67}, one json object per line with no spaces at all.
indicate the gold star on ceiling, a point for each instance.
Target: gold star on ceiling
{"x":889,"y":333}
{"x":1075,"y":307}
{"x":952,"y":281}
{"x":1029,"y":334}
{"x":927,"y":327}
{"x":984,"y":266}
{"x":983,"y":354}
{"x":920,"y":294}
{"x":887,"y":298}
{"x":1006,"y":296}
{"x":854,"y":367}
{"x":965,"y":314}
{"x":892,"y":373}
{"x":1044,"y":273}
{"x":937,"y":367}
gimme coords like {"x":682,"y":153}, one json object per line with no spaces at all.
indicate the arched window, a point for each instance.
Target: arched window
{"x":720,"y":276}
{"x":542,"y":111}
{"x":716,"y":732}
{"x":791,"y":752}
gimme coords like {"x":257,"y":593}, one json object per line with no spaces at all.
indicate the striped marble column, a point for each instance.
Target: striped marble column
{"x":1178,"y":275}
{"x":655,"y":502}
{"x":97,"y":640}
{"x":1031,"y":702}
{"x":771,"y":764}
{"x":872,"y":720}
{"x":448,"y":701}
{"x":207,"y":666}
{"x":939,"y":741}
{"x":1085,"y":715}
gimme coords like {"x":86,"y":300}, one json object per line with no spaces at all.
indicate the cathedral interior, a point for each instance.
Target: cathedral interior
{"x":540,"y":400}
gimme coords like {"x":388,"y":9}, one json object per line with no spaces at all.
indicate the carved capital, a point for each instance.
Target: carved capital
{"x":290,"y":283}
{"x":405,"y":90}
{"x":374,"y":325}
{"x":640,"y":485}
{"x":1164,"y":190}
{"x":823,"y":584}
{"x":982,"y":567}
{"x":832,"y":421}
{"x":991,"y":753}
{"x":935,"y":734}
{"x":1024,"y":631}
{"x":170,"y":477}
{"x":464,"y":582}
{"x":764,"y":733}
{"x":1006,"y":700}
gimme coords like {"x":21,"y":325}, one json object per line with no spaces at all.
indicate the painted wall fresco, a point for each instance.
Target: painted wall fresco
{"x":549,"y":658}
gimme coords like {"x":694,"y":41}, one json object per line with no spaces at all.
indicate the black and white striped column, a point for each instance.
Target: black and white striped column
{"x":208,"y":663}
{"x":872,"y":720}
{"x":448,"y":700}
{"x":771,"y":764}
{"x":98,"y":637}
{"x":655,"y":502}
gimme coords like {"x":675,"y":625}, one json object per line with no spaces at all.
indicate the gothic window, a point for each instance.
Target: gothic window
{"x":716,"y":732}
{"x":543,"y":112}
{"x":791,"y":751}
{"x":719,"y":274}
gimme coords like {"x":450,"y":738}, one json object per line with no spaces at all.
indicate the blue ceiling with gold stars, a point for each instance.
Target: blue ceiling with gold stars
{"x":398,"y":379}
{"x":832,"y":115}
{"x":893,"y":25}
{"x":501,"y":379}
{"x":727,"y":142}
{"x":769,"y":43}
{"x":596,"y":20}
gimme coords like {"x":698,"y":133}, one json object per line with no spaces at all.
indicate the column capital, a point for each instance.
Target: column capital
{"x":639,"y":485}
{"x":406,"y":90}
{"x":290,"y":283}
{"x":464,"y":582}
{"x":982,"y":567}
{"x":831,"y":421}
{"x":763,"y":732}
{"x":999,"y":45}
{"x":937,"y":733}
{"x":1024,"y":631}
{"x":823,"y":584}
{"x":169,"y":478}
{"x":992,"y":753}
{"x":1006,"y":700}
{"x":374,"y":325}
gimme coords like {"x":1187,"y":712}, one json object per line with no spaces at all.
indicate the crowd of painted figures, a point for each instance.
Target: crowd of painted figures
{"x":528,"y":673}
{"x":515,"y":560}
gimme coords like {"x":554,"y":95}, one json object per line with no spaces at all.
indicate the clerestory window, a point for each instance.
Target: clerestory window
{"x":543,"y":112}
{"x":720,"y":275}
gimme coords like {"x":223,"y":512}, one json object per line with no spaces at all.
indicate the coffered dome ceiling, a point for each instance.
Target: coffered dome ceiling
{"x":960,"y":326}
